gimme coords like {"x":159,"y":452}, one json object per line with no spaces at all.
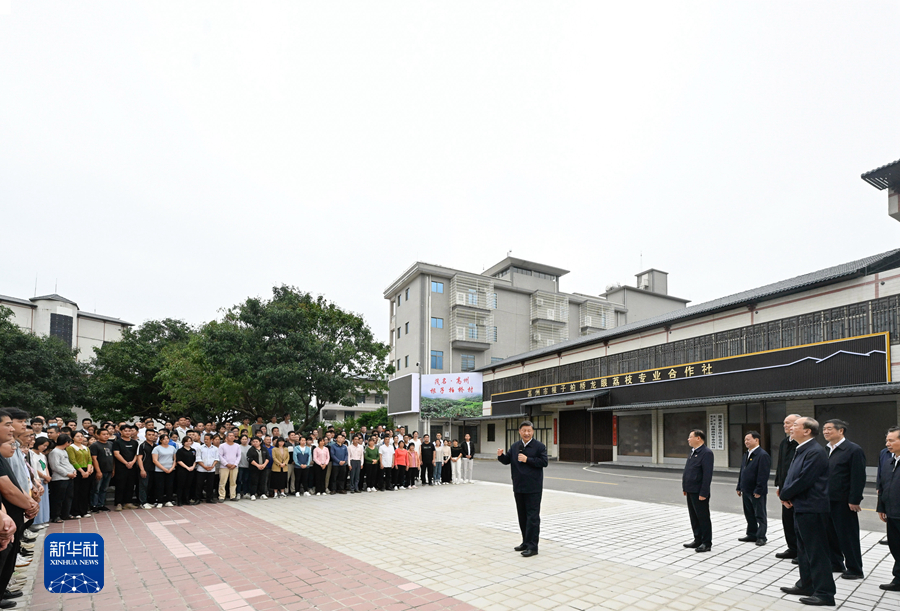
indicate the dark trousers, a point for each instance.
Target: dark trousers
{"x":843,"y":538}
{"x":411,"y":474}
{"x":243,"y":480}
{"x":165,"y":487}
{"x":787,"y":523}
{"x":755,"y":513}
{"x":81,"y":495}
{"x":206,"y":483}
{"x":388,"y":473}
{"x":147,"y":488}
{"x":700,"y":522}
{"x":304,"y":483}
{"x":371,"y":475}
{"x":528,"y":506}
{"x":126,"y":482}
{"x":812,"y":552}
{"x":893,"y":537}
{"x":98,"y":491}
{"x":400,"y":475}
{"x":320,"y":478}
{"x":259,"y":481}
{"x":427,"y":472}
{"x":9,"y":564}
{"x":338,"y":478}
{"x":355,"y":469}
{"x":61,"y":498}
{"x":184,"y":485}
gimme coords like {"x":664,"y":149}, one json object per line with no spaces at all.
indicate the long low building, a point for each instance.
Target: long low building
{"x":817,"y":345}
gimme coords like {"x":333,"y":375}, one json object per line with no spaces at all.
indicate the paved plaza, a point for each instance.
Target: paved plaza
{"x":447,"y":547}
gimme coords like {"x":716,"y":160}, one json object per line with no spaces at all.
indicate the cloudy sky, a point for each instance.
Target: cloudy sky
{"x":170,"y":159}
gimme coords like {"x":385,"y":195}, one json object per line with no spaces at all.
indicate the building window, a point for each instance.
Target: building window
{"x":407,"y":328}
{"x":437,"y":359}
{"x":406,"y":361}
{"x":398,"y":332}
{"x":472,"y":297}
{"x":437,"y":323}
{"x":407,"y":294}
{"x":496,"y":359}
{"x":379,"y":399}
{"x":492,"y":334}
{"x":398,"y":301}
{"x":492,"y":301}
{"x":437,"y":287}
{"x":361,"y":398}
{"x":467,"y":362}
{"x":61,"y":327}
{"x":398,"y":364}
{"x":473,"y":331}
{"x":492,"y":432}
{"x":349,"y":415}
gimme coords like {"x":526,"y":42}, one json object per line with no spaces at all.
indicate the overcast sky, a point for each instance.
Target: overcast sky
{"x":171,"y":159}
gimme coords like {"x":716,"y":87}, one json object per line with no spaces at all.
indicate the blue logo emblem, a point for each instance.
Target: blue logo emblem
{"x":73,"y":563}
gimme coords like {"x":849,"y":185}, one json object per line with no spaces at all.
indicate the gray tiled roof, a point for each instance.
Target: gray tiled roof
{"x":54,"y":297}
{"x":16,"y":300}
{"x":830,"y":275}
{"x":886,"y":176}
{"x":790,"y":395}
{"x":83,"y":314}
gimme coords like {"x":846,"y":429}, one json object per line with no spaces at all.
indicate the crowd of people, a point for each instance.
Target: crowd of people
{"x":55,"y":470}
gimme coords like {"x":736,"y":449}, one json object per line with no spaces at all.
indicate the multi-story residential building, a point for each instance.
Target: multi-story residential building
{"x":818,"y":345}
{"x":445,"y":320}
{"x":366,"y":401}
{"x":59,"y":317}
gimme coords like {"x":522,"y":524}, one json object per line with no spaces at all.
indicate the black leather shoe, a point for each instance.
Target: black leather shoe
{"x":795,"y":560}
{"x":761,"y":542}
{"x":838,"y":569}
{"x":530,"y":552}
{"x":7,"y":604}
{"x":747,"y":539}
{"x":890,"y":587}
{"x":11,"y":595}
{"x":849,"y":575}
{"x":692,"y":544}
{"x":786,"y":554}
{"x":815,"y":601}
{"x":703,"y":548}
{"x":520,"y":548}
{"x":795,"y":591}
{"x":883,"y":541}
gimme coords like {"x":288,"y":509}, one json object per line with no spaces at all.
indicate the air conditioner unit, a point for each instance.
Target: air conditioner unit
{"x":460,"y":334}
{"x":461,"y":298}
{"x":551,"y":315}
{"x":587,"y":321}
{"x":538,"y":301}
{"x":537,"y":337}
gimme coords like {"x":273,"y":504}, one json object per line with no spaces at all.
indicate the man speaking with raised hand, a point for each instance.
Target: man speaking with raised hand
{"x":527,"y":459}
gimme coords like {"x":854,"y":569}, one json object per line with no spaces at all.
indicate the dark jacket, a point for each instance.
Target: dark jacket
{"x":846,"y":473}
{"x":698,"y":471}
{"x":754,"y":478}
{"x":806,"y":482}
{"x":527,"y":477}
{"x":786,"y":450}
{"x":468,"y":448}
{"x":878,"y":471}
{"x":888,"y":486}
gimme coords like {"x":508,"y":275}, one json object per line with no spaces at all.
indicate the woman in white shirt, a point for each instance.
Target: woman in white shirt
{"x":39,"y":464}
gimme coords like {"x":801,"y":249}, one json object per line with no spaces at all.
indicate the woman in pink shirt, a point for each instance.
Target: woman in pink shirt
{"x":401,"y":461}
{"x":413,"y":466}
{"x":321,"y":458}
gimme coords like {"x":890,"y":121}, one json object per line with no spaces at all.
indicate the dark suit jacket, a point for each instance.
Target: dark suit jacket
{"x":786,"y":450}
{"x":698,"y":471}
{"x":468,"y":448}
{"x":806,"y":483}
{"x":846,"y":473}
{"x":754,"y":477}
{"x":888,"y":486}
{"x":878,"y":471}
{"x":527,"y":477}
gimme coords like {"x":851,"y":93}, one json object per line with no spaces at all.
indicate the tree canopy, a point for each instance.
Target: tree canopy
{"x":37,"y":374}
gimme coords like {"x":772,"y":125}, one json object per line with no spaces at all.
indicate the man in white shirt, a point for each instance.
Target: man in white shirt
{"x":386,"y":450}
{"x":206,"y":469}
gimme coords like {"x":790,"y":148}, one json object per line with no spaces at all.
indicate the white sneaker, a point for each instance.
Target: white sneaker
{"x":169,"y":504}
{"x":263,"y":497}
{"x":252,"y":497}
{"x":414,"y":486}
{"x":297,"y":494}
{"x":87,"y":515}
{"x":283,"y":495}
{"x":402,"y":487}
{"x":307,"y":493}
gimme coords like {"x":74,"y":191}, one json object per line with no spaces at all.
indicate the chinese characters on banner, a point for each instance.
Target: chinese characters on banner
{"x":630,"y":379}
{"x":717,"y":431}
{"x":452,"y":386}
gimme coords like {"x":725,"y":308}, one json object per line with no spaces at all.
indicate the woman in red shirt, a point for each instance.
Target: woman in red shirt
{"x":401,"y":461}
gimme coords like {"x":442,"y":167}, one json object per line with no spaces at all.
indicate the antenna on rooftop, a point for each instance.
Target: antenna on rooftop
{"x":641,"y":266}
{"x":35,"y":285}
{"x":55,"y":285}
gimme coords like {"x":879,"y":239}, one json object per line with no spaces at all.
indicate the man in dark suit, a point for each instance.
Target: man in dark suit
{"x":846,"y":481}
{"x":527,"y":459}
{"x":695,"y":483}
{"x":889,"y":502}
{"x":785,"y":456}
{"x":806,"y":491}
{"x":753,"y":487}
{"x":881,"y":455}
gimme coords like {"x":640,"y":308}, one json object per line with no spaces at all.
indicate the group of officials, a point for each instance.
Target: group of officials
{"x":820,"y":489}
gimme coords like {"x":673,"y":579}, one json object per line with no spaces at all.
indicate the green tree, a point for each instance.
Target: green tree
{"x":294,"y":354}
{"x":370,"y":420}
{"x":38,"y":374}
{"x":125,"y":374}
